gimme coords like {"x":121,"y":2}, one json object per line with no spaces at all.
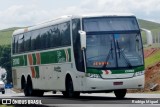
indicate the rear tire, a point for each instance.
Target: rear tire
{"x":26,"y":93}
{"x":3,"y":92}
{"x":120,"y":94}
{"x":28,"y":90}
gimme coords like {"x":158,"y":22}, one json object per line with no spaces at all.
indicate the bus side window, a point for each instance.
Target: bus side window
{"x":65,"y":34}
{"x":59,"y":36}
{"x":53,"y":35}
{"x":21,"y":43}
{"x":27,"y":43}
{"x":48,"y":35}
{"x":76,"y":45}
{"x":44,"y":38}
{"x":13,"y":45}
{"x":16,"y":44}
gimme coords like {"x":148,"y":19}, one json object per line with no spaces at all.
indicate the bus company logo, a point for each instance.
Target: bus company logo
{"x":6,"y":101}
{"x":106,"y":72}
{"x":129,"y":71}
{"x":16,"y":61}
{"x":58,"y":69}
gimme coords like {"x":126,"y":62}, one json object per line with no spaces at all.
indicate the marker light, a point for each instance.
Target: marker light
{"x":100,"y":63}
{"x":139,"y":73}
{"x":93,"y":75}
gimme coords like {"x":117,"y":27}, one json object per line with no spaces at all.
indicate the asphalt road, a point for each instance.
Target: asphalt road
{"x":88,"y":100}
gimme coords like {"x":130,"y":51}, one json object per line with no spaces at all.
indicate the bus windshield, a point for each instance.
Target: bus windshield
{"x":110,"y":24}
{"x":113,"y":43}
{"x":114,"y":50}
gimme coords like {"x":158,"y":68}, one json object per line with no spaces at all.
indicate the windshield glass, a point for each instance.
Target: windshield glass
{"x":114,"y":50}
{"x":110,"y":24}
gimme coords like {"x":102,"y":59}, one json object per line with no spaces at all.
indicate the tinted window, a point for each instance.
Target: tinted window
{"x":110,"y":24}
{"x":27,"y":43}
{"x":45,"y":38}
{"x":13,"y":45}
{"x":54,"y":36}
{"x":64,"y":33}
{"x":16,"y":44}
{"x":76,"y":45}
{"x":20,"y":43}
{"x":34,"y":39}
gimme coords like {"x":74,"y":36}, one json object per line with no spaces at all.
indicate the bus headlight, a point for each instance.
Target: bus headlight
{"x":139,"y":73}
{"x":93,"y":75}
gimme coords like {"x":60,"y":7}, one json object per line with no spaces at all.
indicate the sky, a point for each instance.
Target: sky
{"x":21,"y":13}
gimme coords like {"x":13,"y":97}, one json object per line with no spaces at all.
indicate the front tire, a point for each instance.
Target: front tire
{"x":38,"y":93}
{"x":120,"y":94}
{"x":3,"y":92}
{"x":70,"y":90}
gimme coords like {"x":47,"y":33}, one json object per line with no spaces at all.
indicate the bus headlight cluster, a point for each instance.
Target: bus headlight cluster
{"x":139,"y":73}
{"x":93,"y":75}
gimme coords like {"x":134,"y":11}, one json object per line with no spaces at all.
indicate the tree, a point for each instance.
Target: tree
{"x":5,"y":61}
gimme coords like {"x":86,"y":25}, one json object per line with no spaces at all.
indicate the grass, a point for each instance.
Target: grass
{"x":148,"y":24}
{"x":5,"y":36}
{"x":153,"y":92}
{"x":6,"y":106}
{"x":153,"y":59}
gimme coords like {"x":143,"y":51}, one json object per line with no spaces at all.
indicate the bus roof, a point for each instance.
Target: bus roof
{"x":64,"y":19}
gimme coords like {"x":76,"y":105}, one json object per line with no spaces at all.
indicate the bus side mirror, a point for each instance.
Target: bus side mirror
{"x":83,"y":39}
{"x":149,"y":36}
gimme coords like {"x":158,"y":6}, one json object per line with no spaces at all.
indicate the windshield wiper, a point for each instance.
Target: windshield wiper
{"x":123,"y":54}
{"x":108,"y":56}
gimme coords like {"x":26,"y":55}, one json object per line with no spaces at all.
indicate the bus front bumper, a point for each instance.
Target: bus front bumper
{"x":98,"y":84}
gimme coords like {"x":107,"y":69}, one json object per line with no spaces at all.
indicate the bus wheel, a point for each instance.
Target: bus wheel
{"x":3,"y":92}
{"x":76,"y":94}
{"x":69,"y":88}
{"x":28,"y":90}
{"x":120,"y":94}
{"x":38,"y":93}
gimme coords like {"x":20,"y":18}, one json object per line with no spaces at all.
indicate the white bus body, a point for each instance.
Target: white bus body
{"x":48,"y":56}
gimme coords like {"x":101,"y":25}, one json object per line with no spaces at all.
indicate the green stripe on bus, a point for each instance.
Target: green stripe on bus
{"x":136,"y":69}
{"x":19,"y":60}
{"x":58,"y":56}
{"x":94,"y":71}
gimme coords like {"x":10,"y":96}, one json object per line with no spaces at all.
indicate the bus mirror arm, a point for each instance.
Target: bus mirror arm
{"x":148,"y":35}
{"x":82,"y":39}
{"x":83,"y":46}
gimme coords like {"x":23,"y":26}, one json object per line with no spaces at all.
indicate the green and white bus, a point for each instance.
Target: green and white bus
{"x":79,"y":54}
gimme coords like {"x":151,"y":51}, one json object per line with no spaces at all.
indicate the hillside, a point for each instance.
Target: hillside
{"x":152,"y":55}
{"x":5,"y":35}
{"x":152,"y":68}
{"x":148,"y":24}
